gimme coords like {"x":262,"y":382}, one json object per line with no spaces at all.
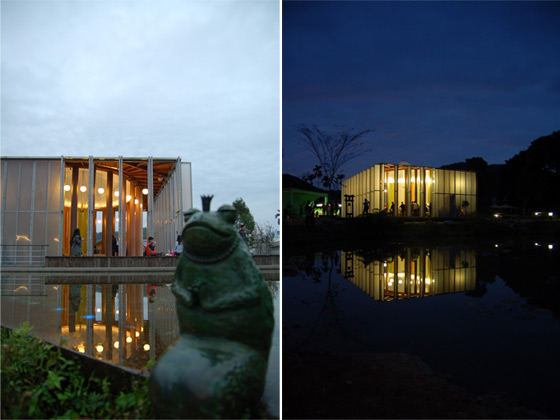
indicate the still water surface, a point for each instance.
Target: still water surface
{"x":125,"y":320}
{"x":489,"y":317}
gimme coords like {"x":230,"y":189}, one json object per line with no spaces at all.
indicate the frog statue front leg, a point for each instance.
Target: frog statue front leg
{"x":217,"y":368}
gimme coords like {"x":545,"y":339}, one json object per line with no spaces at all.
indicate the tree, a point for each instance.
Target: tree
{"x":333,"y":150}
{"x":244,"y":216}
{"x":531,"y":178}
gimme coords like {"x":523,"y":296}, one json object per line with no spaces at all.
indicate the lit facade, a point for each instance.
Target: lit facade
{"x":406,"y":190}
{"x":45,"y":199}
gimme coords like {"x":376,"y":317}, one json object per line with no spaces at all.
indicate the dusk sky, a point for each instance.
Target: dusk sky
{"x":138,"y":78}
{"x":439,"y":82}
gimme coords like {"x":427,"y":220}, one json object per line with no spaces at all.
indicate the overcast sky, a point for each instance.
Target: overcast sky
{"x":440,"y":82}
{"x":138,"y":78}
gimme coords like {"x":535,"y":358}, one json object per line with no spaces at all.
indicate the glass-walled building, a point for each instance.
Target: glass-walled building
{"x":407,"y":190}
{"x":113,"y":201}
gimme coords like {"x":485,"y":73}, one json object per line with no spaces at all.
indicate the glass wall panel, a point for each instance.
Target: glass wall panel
{"x":9,"y":234}
{"x":23,"y":236}
{"x":41,"y":172}
{"x":39,"y":228}
{"x":54,"y":186}
{"x":25,"y":185}
{"x":12,"y":180}
{"x":52,"y":233}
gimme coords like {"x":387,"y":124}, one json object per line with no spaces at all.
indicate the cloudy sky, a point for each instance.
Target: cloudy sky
{"x":440,"y":82}
{"x":138,"y":78}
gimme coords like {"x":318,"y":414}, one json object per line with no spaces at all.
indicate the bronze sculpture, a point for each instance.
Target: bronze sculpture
{"x":217,"y":369}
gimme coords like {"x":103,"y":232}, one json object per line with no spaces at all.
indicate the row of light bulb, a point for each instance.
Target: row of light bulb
{"x":100,"y":348}
{"x":100,"y":190}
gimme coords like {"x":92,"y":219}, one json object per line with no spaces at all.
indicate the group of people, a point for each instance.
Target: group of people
{"x":76,"y":244}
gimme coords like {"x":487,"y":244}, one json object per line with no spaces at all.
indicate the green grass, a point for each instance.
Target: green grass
{"x":38,"y":382}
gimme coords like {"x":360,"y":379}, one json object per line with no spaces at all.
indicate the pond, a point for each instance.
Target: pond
{"x":487,"y":317}
{"x":120,"y":319}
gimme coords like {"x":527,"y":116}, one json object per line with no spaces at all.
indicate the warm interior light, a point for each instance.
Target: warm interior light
{"x":67,"y":187}
{"x":136,"y":201}
{"x":81,"y":348}
{"x":128,"y":197}
{"x":101,"y":190}
{"x":116,"y":345}
{"x":116,"y":193}
{"x":145,"y":191}
{"x":129,"y":339}
{"x":99,"y":348}
{"x":146,"y":347}
{"x":137,"y":334}
{"x":83,"y":188}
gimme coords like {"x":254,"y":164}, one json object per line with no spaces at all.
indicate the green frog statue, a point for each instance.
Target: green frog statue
{"x":217,"y":368}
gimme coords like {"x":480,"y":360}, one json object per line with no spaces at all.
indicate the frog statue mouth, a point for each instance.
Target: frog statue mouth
{"x":205,"y":243}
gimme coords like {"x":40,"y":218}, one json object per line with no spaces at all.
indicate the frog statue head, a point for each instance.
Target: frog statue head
{"x":209,"y":237}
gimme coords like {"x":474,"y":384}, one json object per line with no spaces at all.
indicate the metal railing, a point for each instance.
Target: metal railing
{"x":23,"y":255}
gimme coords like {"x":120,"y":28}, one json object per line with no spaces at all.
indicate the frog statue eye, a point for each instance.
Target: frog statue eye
{"x":228,"y":213}
{"x":189,"y":213}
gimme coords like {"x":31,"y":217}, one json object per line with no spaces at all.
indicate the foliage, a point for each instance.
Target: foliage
{"x":37,"y":382}
{"x":245,"y":217}
{"x":263,"y":237}
{"x":532,"y":177}
{"x":332,"y":151}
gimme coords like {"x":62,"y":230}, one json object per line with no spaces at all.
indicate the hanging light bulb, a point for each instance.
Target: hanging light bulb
{"x":83,"y":188}
{"x":145,"y":191}
{"x":67,"y":187}
{"x":101,"y":190}
{"x":136,"y":201}
{"x":116,"y":193}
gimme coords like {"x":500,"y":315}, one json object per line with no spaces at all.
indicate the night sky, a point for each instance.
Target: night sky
{"x":439,"y":82}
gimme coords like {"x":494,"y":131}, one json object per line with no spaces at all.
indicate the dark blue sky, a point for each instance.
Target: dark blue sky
{"x":439,"y":81}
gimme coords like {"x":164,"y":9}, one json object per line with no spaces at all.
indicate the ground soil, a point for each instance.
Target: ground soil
{"x":382,"y":386}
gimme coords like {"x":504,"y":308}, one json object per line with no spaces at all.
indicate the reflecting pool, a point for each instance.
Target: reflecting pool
{"x":121,"y":319}
{"x":488,"y":318}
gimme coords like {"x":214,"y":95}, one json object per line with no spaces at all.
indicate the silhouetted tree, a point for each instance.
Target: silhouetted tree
{"x":531,"y":178}
{"x":333,"y":150}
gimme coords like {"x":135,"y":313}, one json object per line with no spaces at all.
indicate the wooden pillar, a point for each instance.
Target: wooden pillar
{"x":108,"y":226}
{"x":396,"y":190}
{"x":74,"y":202}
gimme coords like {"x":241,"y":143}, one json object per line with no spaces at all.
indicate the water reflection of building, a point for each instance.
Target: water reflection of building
{"x":413,"y":272}
{"x":118,"y":323}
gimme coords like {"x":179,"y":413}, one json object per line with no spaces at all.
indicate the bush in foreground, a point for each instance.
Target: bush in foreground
{"x":38,"y":382}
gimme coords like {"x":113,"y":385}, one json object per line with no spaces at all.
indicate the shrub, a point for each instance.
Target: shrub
{"x":37,"y":382}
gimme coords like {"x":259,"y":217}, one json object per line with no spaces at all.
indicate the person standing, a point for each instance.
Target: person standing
{"x":242,"y":233}
{"x":76,"y":244}
{"x":366,"y":206}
